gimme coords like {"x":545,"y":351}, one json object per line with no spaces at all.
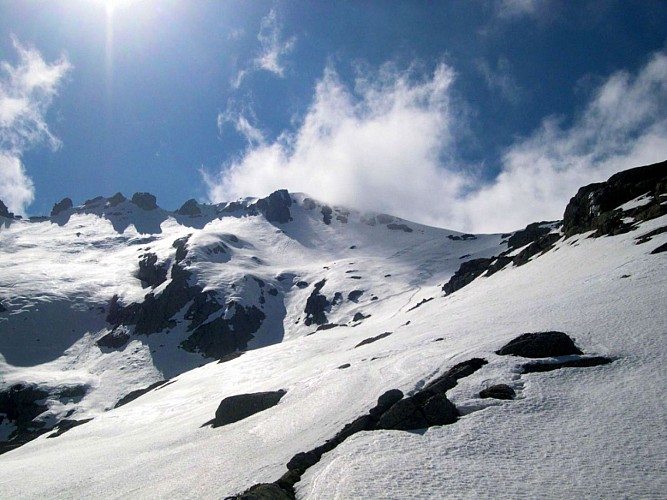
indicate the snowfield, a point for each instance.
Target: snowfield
{"x":596,"y":432}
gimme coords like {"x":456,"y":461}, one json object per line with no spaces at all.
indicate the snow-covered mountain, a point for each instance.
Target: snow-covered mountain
{"x":316,"y":351}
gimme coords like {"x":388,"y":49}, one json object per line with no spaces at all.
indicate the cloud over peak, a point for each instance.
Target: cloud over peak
{"x":26,"y":92}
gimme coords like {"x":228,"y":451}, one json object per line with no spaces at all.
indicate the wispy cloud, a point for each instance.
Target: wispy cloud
{"x":499,"y":79}
{"x":26,"y":92}
{"x":389,"y":144}
{"x":273,"y":49}
{"x":511,"y":9}
{"x":241,"y":120}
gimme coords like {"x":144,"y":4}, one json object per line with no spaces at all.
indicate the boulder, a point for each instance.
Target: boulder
{"x":61,"y":206}
{"x":499,"y":391}
{"x":386,"y":401}
{"x":145,"y":201}
{"x":540,"y":345}
{"x":235,"y":408}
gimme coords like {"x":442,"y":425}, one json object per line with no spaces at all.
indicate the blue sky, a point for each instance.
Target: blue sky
{"x":476,"y":115}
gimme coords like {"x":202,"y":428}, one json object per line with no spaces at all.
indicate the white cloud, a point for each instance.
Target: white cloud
{"x":389,"y":145}
{"x":499,"y":79}
{"x":273,"y":49}
{"x":241,"y":123}
{"x":509,"y":9}
{"x":26,"y":92}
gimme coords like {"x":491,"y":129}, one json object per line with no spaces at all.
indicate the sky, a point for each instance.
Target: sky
{"x":474,"y":115}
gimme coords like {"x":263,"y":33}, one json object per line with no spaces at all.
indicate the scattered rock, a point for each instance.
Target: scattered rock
{"x":235,"y":408}
{"x":61,"y":206}
{"x":499,"y":391}
{"x":145,"y":201}
{"x":373,"y":339}
{"x":574,"y":363}
{"x":540,"y":345}
{"x":360,"y":317}
{"x":354,"y":295}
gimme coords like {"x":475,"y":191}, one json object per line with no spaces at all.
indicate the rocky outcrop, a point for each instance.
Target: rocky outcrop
{"x":540,"y":345}
{"x":370,"y":340}
{"x":594,"y":207}
{"x":116,"y":199}
{"x":190,"y":208}
{"x":316,"y":306}
{"x":223,"y":336}
{"x":275,"y":207}
{"x":466,"y":274}
{"x":115,"y":339}
{"x":151,"y":273}
{"x":235,"y":408}
{"x":145,"y":201}
{"x":326,"y":215}
{"x":399,"y":227}
{"x":61,"y":206}
{"x":4,"y":211}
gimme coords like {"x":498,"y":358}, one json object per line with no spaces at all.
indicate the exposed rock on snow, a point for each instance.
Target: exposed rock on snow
{"x":61,"y":206}
{"x":150,"y":272}
{"x":4,"y":211}
{"x":316,"y":306}
{"x":400,"y":227}
{"x":326,"y":214}
{"x":235,"y":408}
{"x":116,"y":199}
{"x":138,"y":393}
{"x":540,"y":345}
{"x":370,"y":340}
{"x":498,"y":391}
{"x":190,"y":207}
{"x":594,"y":207}
{"x":115,"y":339}
{"x":145,"y":201}
{"x":275,"y":207}
{"x":572,"y":363}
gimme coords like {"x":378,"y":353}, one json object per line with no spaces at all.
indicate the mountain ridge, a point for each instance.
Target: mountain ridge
{"x":149,"y":310}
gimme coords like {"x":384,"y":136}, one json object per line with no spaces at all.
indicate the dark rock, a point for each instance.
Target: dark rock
{"x":181,"y":248}
{"x":363,"y":423}
{"x":343,"y":366}
{"x":660,"y":249}
{"x":150,"y":272}
{"x":360,"y":316}
{"x":304,"y":460}
{"x":385,"y":219}
{"x":4,"y":211}
{"x":373,"y":339}
{"x":386,"y":401}
{"x":302,"y":284}
{"x":648,"y":236}
{"x":264,"y":491}
{"x":594,"y":206}
{"x":145,"y":201}
{"x":116,"y":199}
{"x":499,"y":391}
{"x":399,"y":227}
{"x":67,"y":424}
{"x":203,"y":305}
{"x":61,"y":206}
{"x":463,"y":237}
{"x":438,"y":410}
{"x":531,"y":233}
{"x":354,"y":295}
{"x":328,"y":326}
{"x":235,"y":408}
{"x":2,"y":308}
{"x":326,"y":215}
{"x":275,"y":207}
{"x":273,"y":292}
{"x":115,"y":339}
{"x":316,"y":306}
{"x":222,"y":337}
{"x":540,"y":345}
{"x":539,"y":246}
{"x":21,"y":403}
{"x":131,"y":396}
{"x":94,"y":201}
{"x":190,"y":207}
{"x":421,"y":303}
{"x":337,"y":299}
{"x":466,"y":274}
{"x":450,"y":378}
{"x":574,"y":363}
{"x":405,"y":415}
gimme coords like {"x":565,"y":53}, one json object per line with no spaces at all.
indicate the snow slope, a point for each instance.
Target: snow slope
{"x":574,"y":432}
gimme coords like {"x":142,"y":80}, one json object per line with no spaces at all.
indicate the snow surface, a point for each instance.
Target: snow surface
{"x":575,"y":432}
